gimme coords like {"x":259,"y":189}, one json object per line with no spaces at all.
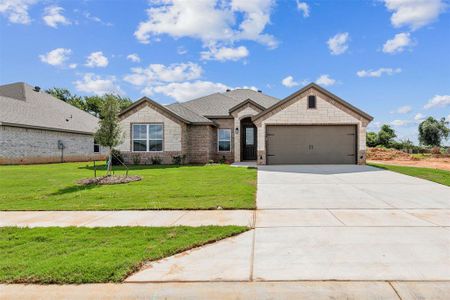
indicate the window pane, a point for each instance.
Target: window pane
{"x":249,"y":136}
{"x":155,"y":132}
{"x":311,"y":101}
{"x":224,"y":146}
{"x":139,"y":145}
{"x":140,"y":131}
{"x":155,"y":145}
{"x":224,"y":134}
{"x":96,"y":148}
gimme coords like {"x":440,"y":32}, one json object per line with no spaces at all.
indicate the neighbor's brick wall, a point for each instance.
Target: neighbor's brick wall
{"x":146,"y":113}
{"x":28,"y":146}
{"x":328,"y":111}
{"x":247,"y":110}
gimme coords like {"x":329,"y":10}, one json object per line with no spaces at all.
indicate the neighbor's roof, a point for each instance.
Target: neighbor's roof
{"x":219,"y":104}
{"x":21,"y":106}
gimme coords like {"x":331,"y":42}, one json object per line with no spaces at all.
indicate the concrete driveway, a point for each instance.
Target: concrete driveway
{"x":328,"y":223}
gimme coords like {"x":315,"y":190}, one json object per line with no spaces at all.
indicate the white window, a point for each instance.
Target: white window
{"x":147,"y":137}
{"x":224,"y":139}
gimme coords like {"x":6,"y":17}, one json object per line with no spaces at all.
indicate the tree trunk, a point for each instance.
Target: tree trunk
{"x":108,"y":171}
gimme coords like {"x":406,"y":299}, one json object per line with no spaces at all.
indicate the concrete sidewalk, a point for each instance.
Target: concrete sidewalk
{"x":317,"y":290}
{"x":161,"y":218}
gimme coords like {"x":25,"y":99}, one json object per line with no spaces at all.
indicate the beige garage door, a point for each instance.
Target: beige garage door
{"x":301,"y":144}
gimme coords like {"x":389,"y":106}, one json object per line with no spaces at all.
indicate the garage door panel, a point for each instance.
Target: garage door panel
{"x":307,"y":144}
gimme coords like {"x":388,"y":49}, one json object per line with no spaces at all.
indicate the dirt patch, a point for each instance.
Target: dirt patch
{"x":109,"y":180}
{"x":387,"y":154}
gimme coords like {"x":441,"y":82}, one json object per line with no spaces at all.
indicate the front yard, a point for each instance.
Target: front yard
{"x":53,"y":187}
{"x":436,"y":175}
{"x":88,"y":255}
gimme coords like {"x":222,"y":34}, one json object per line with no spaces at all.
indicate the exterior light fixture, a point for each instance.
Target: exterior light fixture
{"x":237,"y":130}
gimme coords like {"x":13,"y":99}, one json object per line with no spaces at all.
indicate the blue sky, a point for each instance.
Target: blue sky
{"x":389,"y":58}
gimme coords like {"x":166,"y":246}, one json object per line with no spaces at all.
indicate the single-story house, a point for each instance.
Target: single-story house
{"x":311,"y":126}
{"x":36,"y":127}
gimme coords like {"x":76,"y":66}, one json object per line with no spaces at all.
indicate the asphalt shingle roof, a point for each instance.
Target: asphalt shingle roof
{"x":20,"y":105}
{"x":219,"y":104}
{"x":187,"y":114}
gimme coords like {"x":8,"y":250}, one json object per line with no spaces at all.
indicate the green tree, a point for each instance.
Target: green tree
{"x":432,"y":131}
{"x":372,"y":139}
{"x":386,"y":135}
{"x":66,"y":96}
{"x":94,"y":104}
{"x":109,"y":133}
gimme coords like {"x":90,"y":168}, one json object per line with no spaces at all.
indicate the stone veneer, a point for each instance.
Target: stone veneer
{"x":28,"y":146}
{"x":248,"y":110}
{"x":328,"y":112}
{"x":175,"y":133}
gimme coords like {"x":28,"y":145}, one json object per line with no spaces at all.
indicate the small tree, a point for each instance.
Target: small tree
{"x":386,"y":135}
{"x":372,"y":139}
{"x":109,"y":134}
{"x":432,"y":131}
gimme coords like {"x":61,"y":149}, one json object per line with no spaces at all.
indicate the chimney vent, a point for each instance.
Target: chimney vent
{"x":37,"y":89}
{"x":259,"y":91}
{"x":228,"y":90}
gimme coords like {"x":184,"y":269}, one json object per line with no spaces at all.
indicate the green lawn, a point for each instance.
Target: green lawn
{"x":87,"y":255}
{"x":53,"y":187}
{"x":439,"y":176}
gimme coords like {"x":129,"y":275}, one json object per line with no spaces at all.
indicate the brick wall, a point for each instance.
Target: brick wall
{"x":200,"y":140}
{"x":328,"y":111}
{"x":27,"y":146}
{"x":226,"y":124}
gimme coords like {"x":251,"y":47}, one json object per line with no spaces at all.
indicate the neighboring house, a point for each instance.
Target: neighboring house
{"x":311,"y":126}
{"x":36,"y":127}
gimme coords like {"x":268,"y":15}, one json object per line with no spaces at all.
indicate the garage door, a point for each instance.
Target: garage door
{"x":301,"y":144}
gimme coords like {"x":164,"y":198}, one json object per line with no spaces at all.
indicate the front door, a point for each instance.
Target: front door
{"x":249,"y":142}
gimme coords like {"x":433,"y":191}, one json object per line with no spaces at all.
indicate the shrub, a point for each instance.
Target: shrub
{"x":436,"y":150}
{"x":178,"y":159}
{"x":210,"y":161}
{"x":117,"y":158}
{"x":136,"y":159}
{"x":222,"y":160}
{"x":156,"y":160}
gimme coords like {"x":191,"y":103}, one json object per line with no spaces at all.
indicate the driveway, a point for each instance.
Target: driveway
{"x":328,"y":223}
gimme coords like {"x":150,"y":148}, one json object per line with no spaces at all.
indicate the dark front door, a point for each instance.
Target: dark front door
{"x":249,"y":142}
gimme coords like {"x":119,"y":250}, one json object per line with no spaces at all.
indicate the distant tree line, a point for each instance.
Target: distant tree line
{"x":432,"y":133}
{"x":90,"y":104}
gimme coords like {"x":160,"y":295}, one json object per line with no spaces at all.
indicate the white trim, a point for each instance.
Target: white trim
{"x":219,"y":140}
{"x":147,"y":138}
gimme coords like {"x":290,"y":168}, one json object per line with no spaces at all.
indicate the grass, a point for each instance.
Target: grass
{"x":89,"y":255}
{"x":53,"y":187}
{"x":436,"y":175}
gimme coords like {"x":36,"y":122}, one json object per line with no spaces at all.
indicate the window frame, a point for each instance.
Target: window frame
{"x":147,"y":138}
{"x":219,"y":140}
{"x":96,"y":147}
{"x":315,"y":102}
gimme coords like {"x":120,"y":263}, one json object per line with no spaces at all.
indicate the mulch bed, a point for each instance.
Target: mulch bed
{"x":109,"y":180}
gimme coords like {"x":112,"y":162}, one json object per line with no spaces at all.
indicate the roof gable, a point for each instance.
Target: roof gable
{"x":247,"y":102}
{"x":289,"y":98}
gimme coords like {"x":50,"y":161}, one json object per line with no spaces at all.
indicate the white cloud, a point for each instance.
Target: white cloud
{"x":398,"y":44}
{"x":224,"y":53}
{"x":97,"y":59}
{"x":419,"y":117}
{"x":182,"y":50}
{"x":402,"y":110}
{"x":183,"y":91}
{"x":157,"y":73}
{"x":400,"y":122}
{"x":289,"y":81}
{"x":438,"y":101}
{"x":16,"y":10}
{"x":53,"y":16}
{"x":96,"y":19}
{"x":325,"y":80}
{"x":134,"y":57}
{"x":378,"y":73}
{"x":338,"y":44}
{"x":304,"y":8}
{"x":56,"y":57}
{"x":414,"y":13}
{"x":95,"y":84}
{"x":209,"y":21}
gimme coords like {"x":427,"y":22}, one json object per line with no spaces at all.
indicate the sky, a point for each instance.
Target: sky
{"x":390,"y":58}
